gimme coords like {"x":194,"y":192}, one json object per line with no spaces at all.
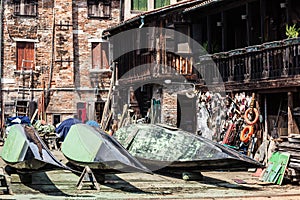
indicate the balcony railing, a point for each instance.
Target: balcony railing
{"x":273,"y":60}
{"x":268,"y":61}
{"x":143,"y":67}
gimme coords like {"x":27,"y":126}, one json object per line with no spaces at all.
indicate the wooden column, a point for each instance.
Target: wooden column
{"x":262,"y":19}
{"x":249,"y":24}
{"x":208,"y":24}
{"x":290,"y":113}
{"x":224,"y":31}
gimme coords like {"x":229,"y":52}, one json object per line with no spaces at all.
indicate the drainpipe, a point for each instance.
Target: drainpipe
{"x":48,"y":92}
{"x":142,"y":21}
{"x":121,"y":11}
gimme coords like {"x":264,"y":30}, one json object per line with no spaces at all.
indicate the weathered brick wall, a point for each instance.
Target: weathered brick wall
{"x":69,"y":46}
{"x":169,"y":107}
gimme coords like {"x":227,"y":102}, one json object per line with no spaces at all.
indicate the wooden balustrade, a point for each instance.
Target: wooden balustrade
{"x":271,"y":60}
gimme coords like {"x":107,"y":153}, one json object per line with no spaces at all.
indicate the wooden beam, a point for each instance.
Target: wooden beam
{"x":287,"y":84}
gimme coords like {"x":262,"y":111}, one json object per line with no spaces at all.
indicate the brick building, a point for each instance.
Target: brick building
{"x":54,"y":59}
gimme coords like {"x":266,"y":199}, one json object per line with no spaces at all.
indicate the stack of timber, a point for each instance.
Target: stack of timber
{"x":291,"y":145}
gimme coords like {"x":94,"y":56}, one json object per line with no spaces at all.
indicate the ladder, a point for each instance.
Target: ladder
{"x":24,"y":88}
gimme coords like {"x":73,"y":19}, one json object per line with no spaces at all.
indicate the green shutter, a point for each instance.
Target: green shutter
{"x":139,"y":5}
{"x":143,"y":5}
{"x":161,"y":3}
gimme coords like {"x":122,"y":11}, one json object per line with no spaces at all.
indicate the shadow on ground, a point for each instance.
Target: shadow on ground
{"x":111,"y":180}
{"x":198,"y":177}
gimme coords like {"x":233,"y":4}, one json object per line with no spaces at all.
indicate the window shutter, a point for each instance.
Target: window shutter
{"x":20,"y":54}
{"x":25,"y":51}
{"x":139,"y":5}
{"x":105,"y":55}
{"x":143,"y":4}
{"x":161,"y":3}
{"x":96,"y":55}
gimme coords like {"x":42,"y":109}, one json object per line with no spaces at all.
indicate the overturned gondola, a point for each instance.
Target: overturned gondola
{"x":85,"y":145}
{"x":161,"y":147}
{"x":25,"y":152}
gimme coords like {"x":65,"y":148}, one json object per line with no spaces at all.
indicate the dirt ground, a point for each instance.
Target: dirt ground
{"x":61,"y":184}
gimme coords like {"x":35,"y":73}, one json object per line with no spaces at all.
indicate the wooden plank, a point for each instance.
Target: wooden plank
{"x":276,"y":169}
{"x":289,"y":145}
{"x":107,"y":103}
{"x":125,"y":109}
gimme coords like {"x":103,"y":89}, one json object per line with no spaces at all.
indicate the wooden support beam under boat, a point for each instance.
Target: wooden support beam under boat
{"x":87,"y":176}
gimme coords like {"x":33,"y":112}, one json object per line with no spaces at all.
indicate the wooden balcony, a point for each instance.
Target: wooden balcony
{"x":269,"y":65}
{"x":273,"y":64}
{"x":143,"y":67}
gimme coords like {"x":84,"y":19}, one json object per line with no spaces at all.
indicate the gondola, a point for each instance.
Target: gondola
{"x":25,"y":151}
{"x":161,"y":147}
{"x":85,"y":145}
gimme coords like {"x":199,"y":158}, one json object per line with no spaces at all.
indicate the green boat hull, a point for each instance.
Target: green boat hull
{"x":163,"y":148}
{"x":86,"y":146}
{"x":26,"y":151}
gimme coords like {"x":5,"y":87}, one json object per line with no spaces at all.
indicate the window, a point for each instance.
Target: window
{"x":161,"y":3}
{"x":99,"y":108}
{"x":25,"y":55}
{"x":81,"y":112}
{"x":139,"y":5}
{"x":25,"y":7}
{"x":99,"y":8}
{"x":182,"y":33}
{"x":56,"y":119}
{"x":100,"y":55}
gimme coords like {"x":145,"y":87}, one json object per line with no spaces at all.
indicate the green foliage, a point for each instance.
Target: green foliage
{"x":292,"y":31}
{"x":214,"y":47}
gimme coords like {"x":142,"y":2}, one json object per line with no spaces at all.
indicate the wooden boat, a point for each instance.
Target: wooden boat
{"x":160,"y":147}
{"x":26,"y":152}
{"x":85,"y":145}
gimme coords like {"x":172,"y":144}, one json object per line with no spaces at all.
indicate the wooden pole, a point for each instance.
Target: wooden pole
{"x":106,"y":106}
{"x":290,"y":113}
{"x":265,"y":134}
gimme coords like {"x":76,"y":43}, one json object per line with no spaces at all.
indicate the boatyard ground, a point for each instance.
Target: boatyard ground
{"x":61,"y":184}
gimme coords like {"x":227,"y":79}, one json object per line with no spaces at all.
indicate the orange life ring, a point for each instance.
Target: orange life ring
{"x":247,"y":120}
{"x":246,"y":133}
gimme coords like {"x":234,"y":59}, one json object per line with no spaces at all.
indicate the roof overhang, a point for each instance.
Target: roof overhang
{"x":182,"y":6}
